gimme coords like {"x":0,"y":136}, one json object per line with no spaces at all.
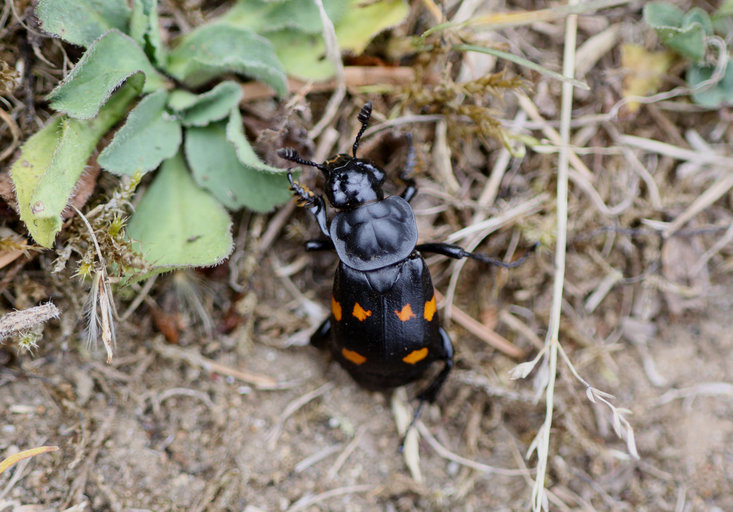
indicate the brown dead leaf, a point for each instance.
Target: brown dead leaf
{"x":12,"y":246}
{"x":167,"y":323}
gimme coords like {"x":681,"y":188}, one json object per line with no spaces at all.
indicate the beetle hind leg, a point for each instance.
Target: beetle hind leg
{"x":320,"y":337}
{"x":430,"y":393}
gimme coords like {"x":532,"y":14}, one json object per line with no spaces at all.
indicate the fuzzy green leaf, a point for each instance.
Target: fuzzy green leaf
{"x":110,"y":61}
{"x":212,"y":50}
{"x":245,"y":153}
{"x":716,"y":96}
{"x":177,"y":224}
{"x":53,"y":159}
{"x":202,"y":109}
{"x":267,"y":15}
{"x":363,"y":21}
{"x":144,"y":29}
{"x":683,"y":33}
{"x":149,"y":136}
{"x":699,"y":16}
{"x":304,"y":55}
{"x":217,"y":167}
{"x":725,"y":9}
{"x":663,"y":14}
{"x":81,"y":22}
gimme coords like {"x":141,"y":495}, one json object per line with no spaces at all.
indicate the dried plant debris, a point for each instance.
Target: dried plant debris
{"x":9,"y":79}
{"x":26,"y":326}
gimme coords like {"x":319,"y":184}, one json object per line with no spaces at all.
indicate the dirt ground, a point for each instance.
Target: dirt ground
{"x":154,"y":432}
{"x":240,"y":413}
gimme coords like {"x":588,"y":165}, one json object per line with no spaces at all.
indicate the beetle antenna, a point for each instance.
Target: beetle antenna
{"x":364,"y":115}
{"x":293,"y":156}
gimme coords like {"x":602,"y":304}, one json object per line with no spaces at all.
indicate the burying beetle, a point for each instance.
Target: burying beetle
{"x":384,"y":327}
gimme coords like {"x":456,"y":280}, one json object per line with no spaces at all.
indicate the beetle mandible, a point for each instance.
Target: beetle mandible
{"x":384,"y":328}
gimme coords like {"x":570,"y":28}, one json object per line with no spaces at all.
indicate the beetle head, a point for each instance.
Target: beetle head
{"x":350,"y":181}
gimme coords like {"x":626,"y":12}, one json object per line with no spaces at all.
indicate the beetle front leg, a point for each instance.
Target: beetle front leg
{"x":319,"y":245}
{"x":314,"y":202}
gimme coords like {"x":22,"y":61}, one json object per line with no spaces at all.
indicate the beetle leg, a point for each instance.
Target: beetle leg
{"x":321,"y":335}
{"x":314,"y":202}
{"x":406,"y":174}
{"x":430,"y":393}
{"x":456,"y":252}
{"x":319,"y":245}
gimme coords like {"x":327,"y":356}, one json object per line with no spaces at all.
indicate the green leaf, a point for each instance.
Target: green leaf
{"x":245,"y":153}
{"x":304,"y":55}
{"x":202,"y":109}
{"x":81,"y":22}
{"x":699,"y":16}
{"x":267,"y":15}
{"x":663,"y":14}
{"x":216,"y":166}
{"x":716,"y":96}
{"x":110,"y":61}
{"x":176,"y":224}
{"x":53,"y":159}
{"x":149,"y":136}
{"x":683,"y":33}
{"x":212,"y":50}
{"x":725,"y":9}
{"x":144,"y":29}
{"x":364,"y":20}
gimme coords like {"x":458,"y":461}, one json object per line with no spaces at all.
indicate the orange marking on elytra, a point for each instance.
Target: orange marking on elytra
{"x":406,"y":313}
{"x":354,"y":357}
{"x":336,"y":309}
{"x":416,"y":355}
{"x":360,"y":313}
{"x":430,"y":309}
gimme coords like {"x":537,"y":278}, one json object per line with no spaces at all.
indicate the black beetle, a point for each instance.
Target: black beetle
{"x":383,"y":328}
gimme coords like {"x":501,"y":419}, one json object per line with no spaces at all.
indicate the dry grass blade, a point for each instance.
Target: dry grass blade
{"x":14,"y":131}
{"x":25,"y":454}
{"x":513,"y":19}
{"x":100,"y":310}
{"x":580,"y":174}
{"x":712,"y":194}
{"x":291,"y":409}
{"x":539,"y":497}
{"x":482,"y":332}
{"x":333,"y":54}
{"x":410,"y":448}
{"x":447,"y":454}
{"x":312,"y":500}
{"x":196,"y":359}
